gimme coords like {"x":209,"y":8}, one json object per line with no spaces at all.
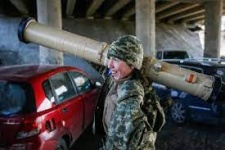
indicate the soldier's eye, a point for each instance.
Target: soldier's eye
{"x":116,"y":59}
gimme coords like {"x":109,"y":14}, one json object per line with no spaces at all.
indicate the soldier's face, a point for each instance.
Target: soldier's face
{"x":119,"y":68}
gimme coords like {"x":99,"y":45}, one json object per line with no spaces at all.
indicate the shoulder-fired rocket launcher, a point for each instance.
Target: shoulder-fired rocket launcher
{"x":203,"y":86}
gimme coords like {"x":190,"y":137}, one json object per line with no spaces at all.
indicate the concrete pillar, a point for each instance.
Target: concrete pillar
{"x":50,"y":13}
{"x":145,"y":25}
{"x":213,"y":17}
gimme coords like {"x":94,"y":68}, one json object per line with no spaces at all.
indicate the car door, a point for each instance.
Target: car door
{"x":88,"y":92}
{"x":69,"y":103}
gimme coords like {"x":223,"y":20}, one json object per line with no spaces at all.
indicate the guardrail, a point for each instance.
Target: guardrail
{"x":218,"y":60}
{"x":199,"y":59}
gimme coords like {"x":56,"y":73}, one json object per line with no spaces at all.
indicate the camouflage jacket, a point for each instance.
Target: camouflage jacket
{"x":129,"y":128}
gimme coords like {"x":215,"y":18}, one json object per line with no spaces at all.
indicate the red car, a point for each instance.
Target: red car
{"x":44,"y":107}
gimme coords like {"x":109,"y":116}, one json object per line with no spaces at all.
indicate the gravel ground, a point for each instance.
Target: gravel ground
{"x":190,"y":136}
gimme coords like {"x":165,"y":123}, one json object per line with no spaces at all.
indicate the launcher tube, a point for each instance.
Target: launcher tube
{"x":158,"y":71}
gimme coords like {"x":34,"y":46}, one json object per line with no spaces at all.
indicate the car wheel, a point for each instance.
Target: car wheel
{"x":61,"y":145}
{"x":178,"y":113}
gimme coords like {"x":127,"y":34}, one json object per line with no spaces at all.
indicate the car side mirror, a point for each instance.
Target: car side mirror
{"x":98,"y":84}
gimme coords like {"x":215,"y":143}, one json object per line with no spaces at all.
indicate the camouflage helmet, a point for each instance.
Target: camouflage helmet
{"x":129,"y":49}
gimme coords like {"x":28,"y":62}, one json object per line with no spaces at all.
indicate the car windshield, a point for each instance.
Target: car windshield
{"x":14,"y":98}
{"x":175,"y":55}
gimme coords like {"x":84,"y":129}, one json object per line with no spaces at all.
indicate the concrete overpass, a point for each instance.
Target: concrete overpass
{"x":189,"y":12}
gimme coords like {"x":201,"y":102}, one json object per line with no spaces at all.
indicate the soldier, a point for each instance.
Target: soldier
{"x":119,"y":117}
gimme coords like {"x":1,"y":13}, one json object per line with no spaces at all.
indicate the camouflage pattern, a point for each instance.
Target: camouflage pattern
{"x":129,"y":128}
{"x":98,"y":125}
{"x":129,"y":49}
{"x":135,"y":120}
{"x":152,"y":106}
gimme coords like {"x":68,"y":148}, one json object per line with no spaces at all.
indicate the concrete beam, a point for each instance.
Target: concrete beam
{"x":117,"y":6}
{"x":165,"y":6}
{"x":19,"y":4}
{"x":129,"y":13}
{"x":175,"y":10}
{"x":202,"y":20}
{"x":194,"y":17}
{"x":145,"y":25}
{"x":93,"y":7}
{"x":193,"y":1}
{"x":198,"y":21}
{"x":188,"y":13}
{"x":49,"y":12}
{"x":188,"y":1}
{"x":70,"y":8}
{"x":213,"y":19}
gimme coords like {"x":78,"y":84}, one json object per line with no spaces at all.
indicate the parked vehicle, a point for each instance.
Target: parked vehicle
{"x":172,"y":54}
{"x":44,"y":107}
{"x":187,"y":107}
